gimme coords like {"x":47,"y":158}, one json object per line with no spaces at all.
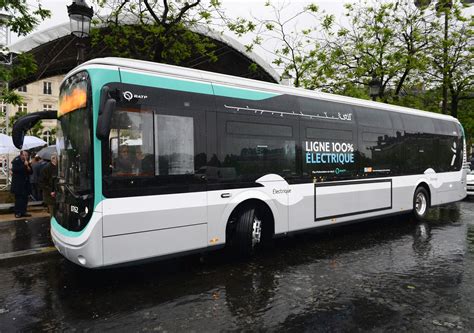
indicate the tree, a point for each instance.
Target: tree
{"x":21,"y":19}
{"x":295,"y":49}
{"x":157,"y":30}
{"x":452,"y":56}
{"x":384,"y":40}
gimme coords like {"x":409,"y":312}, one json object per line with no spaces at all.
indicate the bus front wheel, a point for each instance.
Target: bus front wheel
{"x":420,"y":203}
{"x":248,"y":231}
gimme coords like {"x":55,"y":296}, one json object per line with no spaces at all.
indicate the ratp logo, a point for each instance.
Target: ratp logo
{"x":127,"y":95}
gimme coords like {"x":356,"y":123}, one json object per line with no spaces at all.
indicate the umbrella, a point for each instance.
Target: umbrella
{"x":46,"y":152}
{"x":32,"y":142}
{"x":6,"y":143}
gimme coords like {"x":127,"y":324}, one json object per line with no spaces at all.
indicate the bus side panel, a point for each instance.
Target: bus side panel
{"x":346,"y":198}
{"x":147,"y":213}
{"x":343,"y":203}
{"x":151,"y":244}
{"x":449,"y":188}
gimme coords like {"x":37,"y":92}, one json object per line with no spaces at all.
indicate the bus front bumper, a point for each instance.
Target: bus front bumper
{"x":83,"y":248}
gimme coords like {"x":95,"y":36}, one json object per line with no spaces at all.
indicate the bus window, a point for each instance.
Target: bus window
{"x":131,"y":143}
{"x":252,"y":146}
{"x":373,"y":118}
{"x":379,"y":153}
{"x":174,"y":145}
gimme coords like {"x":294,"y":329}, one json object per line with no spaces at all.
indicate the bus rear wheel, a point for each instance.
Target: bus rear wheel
{"x":420,"y":203}
{"x":248,"y":231}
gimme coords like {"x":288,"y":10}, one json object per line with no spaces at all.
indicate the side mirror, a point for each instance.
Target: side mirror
{"x":103,"y":123}
{"x":25,"y":123}
{"x":107,"y":106}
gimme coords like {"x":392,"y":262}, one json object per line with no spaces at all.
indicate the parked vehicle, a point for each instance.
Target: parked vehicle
{"x":159,"y":160}
{"x":470,"y":183}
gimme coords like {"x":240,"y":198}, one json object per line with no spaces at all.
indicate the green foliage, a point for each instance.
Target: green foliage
{"x":159,"y":31}
{"x":394,"y":41}
{"x":452,"y":58}
{"x":294,"y":52}
{"x":22,"y":19}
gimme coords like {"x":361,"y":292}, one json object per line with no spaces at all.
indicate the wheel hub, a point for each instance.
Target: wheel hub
{"x":256,"y":231}
{"x":420,"y":204}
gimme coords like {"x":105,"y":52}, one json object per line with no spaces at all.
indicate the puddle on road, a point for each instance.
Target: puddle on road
{"x":390,"y":274}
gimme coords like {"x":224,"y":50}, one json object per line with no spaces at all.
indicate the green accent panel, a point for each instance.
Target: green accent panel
{"x":253,"y":95}
{"x":99,"y":78}
{"x":63,"y":231}
{"x":462,"y":130}
{"x":193,"y":86}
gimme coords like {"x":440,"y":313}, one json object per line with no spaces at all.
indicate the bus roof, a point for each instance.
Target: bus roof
{"x":234,"y":81}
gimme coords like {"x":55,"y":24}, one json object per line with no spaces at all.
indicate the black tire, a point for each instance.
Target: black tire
{"x":247,"y":235}
{"x":421,"y":203}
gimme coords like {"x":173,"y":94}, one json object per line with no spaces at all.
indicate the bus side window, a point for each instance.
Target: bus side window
{"x":131,"y":143}
{"x":250,"y":147}
{"x":174,"y":145}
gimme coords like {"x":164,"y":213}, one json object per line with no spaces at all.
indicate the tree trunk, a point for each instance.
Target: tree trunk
{"x":454,"y":105}
{"x":445,"y":64}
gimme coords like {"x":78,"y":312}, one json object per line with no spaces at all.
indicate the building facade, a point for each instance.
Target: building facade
{"x":41,"y":95}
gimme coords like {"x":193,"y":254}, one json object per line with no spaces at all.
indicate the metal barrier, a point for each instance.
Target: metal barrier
{"x":5,"y":178}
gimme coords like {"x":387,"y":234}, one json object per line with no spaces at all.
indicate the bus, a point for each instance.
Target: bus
{"x":158,"y":160}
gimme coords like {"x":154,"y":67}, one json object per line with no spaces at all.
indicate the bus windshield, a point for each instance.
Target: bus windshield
{"x":73,"y":138}
{"x":74,"y":188}
{"x":74,"y":135}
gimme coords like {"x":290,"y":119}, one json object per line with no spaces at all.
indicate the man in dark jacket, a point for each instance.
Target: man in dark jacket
{"x":21,"y":171}
{"x":37,"y":166}
{"x":46,"y":183}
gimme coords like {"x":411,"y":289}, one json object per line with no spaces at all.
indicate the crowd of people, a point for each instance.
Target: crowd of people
{"x":33,"y":178}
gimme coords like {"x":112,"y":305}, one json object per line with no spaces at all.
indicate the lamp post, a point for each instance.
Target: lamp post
{"x":374,"y":88}
{"x":80,"y":16}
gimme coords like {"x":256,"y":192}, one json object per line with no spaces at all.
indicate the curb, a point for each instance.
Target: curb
{"x":27,"y":253}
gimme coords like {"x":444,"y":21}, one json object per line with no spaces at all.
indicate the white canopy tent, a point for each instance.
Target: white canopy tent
{"x":7,"y":148}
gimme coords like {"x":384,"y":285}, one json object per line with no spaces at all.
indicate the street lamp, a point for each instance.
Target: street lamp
{"x":374,"y":88}
{"x":80,"y":16}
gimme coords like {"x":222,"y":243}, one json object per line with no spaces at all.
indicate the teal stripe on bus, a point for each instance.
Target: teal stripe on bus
{"x":193,"y":86}
{"x":63,"y":231}
{"x":226,"y":91}
{"x":99,"y":77}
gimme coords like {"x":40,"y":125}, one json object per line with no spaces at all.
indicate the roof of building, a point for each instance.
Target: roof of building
{"x":56,"y":53}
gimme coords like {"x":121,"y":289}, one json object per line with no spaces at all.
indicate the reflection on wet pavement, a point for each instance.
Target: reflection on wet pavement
{"x":389,"y":274}
{"x":25,"y":234}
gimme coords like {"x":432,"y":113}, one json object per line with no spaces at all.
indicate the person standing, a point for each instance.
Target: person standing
{"x":21,"y":170}
{"x":46,"y":181}
{"x":37,"y":165}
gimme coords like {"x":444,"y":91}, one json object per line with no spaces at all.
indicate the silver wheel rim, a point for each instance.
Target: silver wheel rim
{"x":420,"y":204}
{"x":256,"y":231}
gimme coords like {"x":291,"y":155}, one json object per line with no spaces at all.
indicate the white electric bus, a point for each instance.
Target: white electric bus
{"x":158,"y":160}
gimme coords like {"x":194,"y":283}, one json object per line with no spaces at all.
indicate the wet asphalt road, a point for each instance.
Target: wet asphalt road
{"x":384,"y":275}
